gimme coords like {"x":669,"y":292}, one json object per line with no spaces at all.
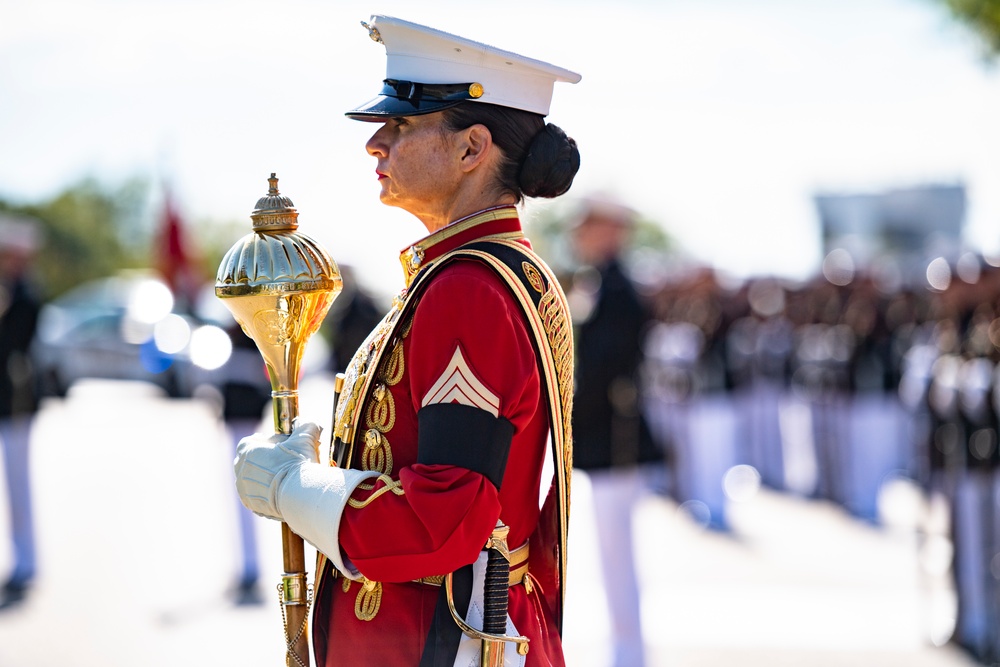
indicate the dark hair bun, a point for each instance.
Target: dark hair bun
{"x":550,"y":165}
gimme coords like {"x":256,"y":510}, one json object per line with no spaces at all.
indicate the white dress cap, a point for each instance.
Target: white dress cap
{"x":428,"y":70}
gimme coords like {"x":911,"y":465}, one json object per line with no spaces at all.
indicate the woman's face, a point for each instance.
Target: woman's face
{"x":418,"y":163}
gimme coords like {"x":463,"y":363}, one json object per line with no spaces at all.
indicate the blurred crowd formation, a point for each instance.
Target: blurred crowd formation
{"x":831,"y":389}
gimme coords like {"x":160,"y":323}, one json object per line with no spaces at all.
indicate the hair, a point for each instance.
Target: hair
{"x":539,"y":159}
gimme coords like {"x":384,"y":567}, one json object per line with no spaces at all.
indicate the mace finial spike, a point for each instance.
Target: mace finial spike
{"x":274,"y":212}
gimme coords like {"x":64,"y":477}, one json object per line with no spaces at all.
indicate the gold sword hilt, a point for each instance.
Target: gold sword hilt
{"x":494,"y":638}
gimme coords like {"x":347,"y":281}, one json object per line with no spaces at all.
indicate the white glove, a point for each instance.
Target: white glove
{"x":262,"y":462}
{"x":277,"y":477}
{"x":312,"y":499}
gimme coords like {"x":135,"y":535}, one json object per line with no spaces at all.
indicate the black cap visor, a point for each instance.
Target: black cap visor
{"x":407,"y":98}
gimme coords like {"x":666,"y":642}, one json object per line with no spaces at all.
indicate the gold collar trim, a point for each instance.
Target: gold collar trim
{"x":412,"y":259}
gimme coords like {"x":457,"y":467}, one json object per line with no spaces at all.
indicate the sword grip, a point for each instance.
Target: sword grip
{"x":496,"y":582}
{"x":495,"y":593}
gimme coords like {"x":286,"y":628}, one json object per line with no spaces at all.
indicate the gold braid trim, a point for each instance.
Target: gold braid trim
{"x":393,"y":485}
{"x":377,"y":455}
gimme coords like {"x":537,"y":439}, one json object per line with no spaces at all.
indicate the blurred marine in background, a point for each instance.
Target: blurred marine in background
{"x":612,"y":440}
{"x":19,"y":307}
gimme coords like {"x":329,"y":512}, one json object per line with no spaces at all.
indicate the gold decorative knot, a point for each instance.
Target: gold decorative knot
{"x":395,"y":366}
{"x":382,"y":409}
{"x":377,"y":454}
{"x":368,"y":601}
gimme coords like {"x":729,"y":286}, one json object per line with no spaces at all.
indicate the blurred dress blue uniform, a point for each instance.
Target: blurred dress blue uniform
{"x":878,"y":428}
{"x":691,"y":411}
{"x":759,"y":350}
{"x":962,"y":455}
{"x":612,"y":440}
{"x":19,"y":308}
{"x":976,"y":492}
{"x":820,"y":375}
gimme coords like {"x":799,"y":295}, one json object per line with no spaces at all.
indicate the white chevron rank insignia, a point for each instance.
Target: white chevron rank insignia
{"x":459,"y":384}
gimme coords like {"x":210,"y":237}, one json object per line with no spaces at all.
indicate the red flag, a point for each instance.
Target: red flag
{"x":173,"y":257}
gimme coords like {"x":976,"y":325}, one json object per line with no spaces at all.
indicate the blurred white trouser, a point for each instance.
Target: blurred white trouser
{"x":16,"y":436}
{"x":615,"y":494}
{"x":238,"y":429}
{"x":874,"y":449}
{"x":976,"y":616}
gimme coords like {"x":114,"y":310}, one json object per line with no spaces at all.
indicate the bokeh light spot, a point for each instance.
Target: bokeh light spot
{"x":172,"y":334}
{"x":211,"y":347}
{"x":838,"y":267}
{"x":939,"y":274}
{"x":741,"y":483}
{"x":696,"y":511}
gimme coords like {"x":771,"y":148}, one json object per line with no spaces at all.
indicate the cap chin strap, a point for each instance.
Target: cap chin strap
{"x":437,"y":92}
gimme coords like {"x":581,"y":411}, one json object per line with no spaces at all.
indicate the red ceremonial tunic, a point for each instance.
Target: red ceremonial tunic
{"x":465,"y":341}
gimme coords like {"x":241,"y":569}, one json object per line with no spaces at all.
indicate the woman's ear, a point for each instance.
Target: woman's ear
{"x":476,"y":146}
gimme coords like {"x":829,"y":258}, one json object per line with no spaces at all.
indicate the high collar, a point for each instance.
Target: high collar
{"x":499,"y":221}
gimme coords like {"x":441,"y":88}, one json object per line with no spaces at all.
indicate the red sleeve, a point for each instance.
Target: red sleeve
{"x":436,"y":518}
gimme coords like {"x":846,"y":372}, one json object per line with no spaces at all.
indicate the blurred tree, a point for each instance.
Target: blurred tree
{"x":982,"y":16}
{"x":89,"y":232}
{"x":92,"y":230}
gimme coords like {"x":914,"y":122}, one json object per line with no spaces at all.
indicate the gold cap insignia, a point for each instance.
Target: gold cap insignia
{"x":373,"y":32}
{"x":476,"y":90}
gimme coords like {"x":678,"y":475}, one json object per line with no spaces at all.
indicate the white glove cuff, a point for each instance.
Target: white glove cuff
{"x":311,"y":501}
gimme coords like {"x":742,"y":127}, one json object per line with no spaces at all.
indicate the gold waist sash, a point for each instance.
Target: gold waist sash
{"x":518,"y":569}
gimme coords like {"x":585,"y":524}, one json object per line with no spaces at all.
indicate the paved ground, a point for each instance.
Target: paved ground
{"x":137,"y":540}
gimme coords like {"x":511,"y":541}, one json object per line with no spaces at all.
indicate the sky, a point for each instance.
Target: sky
{"x":719,"y":119}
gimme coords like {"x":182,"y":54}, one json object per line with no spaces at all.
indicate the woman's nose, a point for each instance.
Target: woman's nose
{"x":376,"y":146}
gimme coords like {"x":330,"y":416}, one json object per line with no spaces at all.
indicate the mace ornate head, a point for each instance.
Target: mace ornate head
{"x":279,"y":285}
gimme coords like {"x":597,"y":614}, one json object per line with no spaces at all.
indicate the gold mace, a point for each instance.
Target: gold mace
{"x":279,"y":285}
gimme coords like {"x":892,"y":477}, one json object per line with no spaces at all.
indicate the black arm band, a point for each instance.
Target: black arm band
{"x":462,"y":435}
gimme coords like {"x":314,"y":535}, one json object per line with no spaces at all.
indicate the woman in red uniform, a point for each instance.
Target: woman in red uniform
{"x":447,"y":411}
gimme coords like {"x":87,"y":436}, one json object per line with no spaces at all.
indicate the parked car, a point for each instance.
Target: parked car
{"x":122,"y":327}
